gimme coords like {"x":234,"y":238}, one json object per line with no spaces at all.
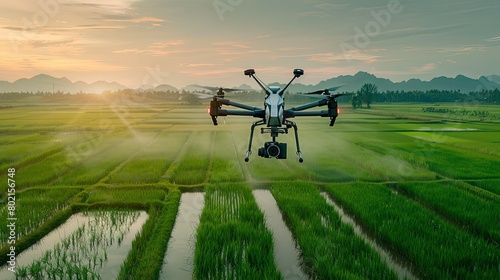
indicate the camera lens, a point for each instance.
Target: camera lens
{"x":273,"y":150}
{"x":262,"y":152}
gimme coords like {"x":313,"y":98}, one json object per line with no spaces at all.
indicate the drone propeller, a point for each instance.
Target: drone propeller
{"x":325,"y":91}
{"x":219,"y":91}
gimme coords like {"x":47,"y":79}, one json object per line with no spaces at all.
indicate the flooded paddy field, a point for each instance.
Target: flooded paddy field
{"x":144,"y":192}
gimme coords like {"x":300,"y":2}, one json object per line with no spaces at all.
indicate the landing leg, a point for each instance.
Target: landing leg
{"x":249,"y":151}
{"x":295,"y":129}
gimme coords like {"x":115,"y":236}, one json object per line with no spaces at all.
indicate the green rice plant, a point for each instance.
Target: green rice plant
{"x":33,"y":208}
{"x":151,"y":163}
{"x":491,"y":185}
{"x":83,"y":254}
{"x":451,"y":161}
{"x":225,"y":166}
{"x":435,"y":248}
{"x":395,"y":161}
{"x":330,"y":248}
{"x":125,"y":195}
{"x":232,"y":241}
{"x":471,"y":213}
{"x":146,"y":257}
{"x":339,"y":160}
{"x":100,"y":161}
{"x":193,"y":167}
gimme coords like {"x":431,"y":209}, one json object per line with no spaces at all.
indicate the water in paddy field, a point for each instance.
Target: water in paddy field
{"x":402,"y":271}
{"x":178,"y":262}
{"x":286,"y":254}
{"x":111,"y":231}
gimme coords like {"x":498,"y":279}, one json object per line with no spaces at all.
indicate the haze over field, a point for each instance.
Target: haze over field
{"x":181,"y":42}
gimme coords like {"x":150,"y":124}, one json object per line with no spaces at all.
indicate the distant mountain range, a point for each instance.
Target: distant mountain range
{"x":46,"y":83}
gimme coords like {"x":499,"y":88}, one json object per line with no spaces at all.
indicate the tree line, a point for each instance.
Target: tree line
{"x":362,"y":98}
{"x":368,"y":94}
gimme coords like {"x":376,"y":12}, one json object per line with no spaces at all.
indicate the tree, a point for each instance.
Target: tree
{"x":366,"y":93}
{"x":356,"y":101}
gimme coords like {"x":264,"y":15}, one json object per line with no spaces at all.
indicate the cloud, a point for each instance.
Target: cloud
{"x":416,"y":31}
{"x":231,"y":44}
{"x":317,"y":14}
{"x":140,"y":19}
{"x":493,"y":39}
{"x":168,"y":43}
{"x":107,"y":7}
{"x":426,"y":68}
{"x":332,"y":57}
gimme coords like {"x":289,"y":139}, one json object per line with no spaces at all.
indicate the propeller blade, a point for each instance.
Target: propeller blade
{"x":316,"y":92}
{"x":335,"y":88}
{"x":220,"y":88}
{"x":341,"y":94}
{"x":325,"y":91}
{"x":204,"y":95}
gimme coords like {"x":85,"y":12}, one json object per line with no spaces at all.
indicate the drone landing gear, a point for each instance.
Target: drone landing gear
{"x":249,"y":151}
{"x":274,"y":131}
{"x":295,"y":129}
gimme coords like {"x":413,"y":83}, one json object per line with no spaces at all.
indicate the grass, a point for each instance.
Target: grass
{"x":330,"y":248}
{"x":84,"y":253}
{"x":195,"y":163}
{"x":472,"y":213}
{"x":33,"y":208}
{"x":232,"y":239}
{"x":418,"y":233}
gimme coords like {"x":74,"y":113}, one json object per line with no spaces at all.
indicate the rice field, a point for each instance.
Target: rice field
{"x":423,"y":185}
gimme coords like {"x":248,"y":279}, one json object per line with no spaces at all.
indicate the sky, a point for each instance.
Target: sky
{"x":211,"y":42}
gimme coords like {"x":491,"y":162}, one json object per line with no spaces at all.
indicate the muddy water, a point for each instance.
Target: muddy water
{"x":116,"y":253}
{"x":402,"y":271}
{"x":286,"y":254}
{"x":179,"y":258}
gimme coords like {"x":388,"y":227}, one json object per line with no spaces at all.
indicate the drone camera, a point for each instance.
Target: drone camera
{"x":249,"y":72}
{"x":298,"y":72}
{"x":273,"y":150}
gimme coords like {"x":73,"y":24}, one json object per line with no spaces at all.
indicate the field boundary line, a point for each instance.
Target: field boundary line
{"x":123,"y":163}
{"x":178,"y":159}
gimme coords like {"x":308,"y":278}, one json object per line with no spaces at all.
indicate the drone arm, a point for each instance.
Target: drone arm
{"x":255,"y":114}
{"x":238,"y":105}
{"x":318,"y":103}
{"x":283,"y":90}
{"x":322,"y":113}
{"x":261,"y":84}
{"x":251,"y":73}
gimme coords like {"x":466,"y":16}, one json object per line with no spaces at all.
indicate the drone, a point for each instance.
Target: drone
{"x":274,"y":115}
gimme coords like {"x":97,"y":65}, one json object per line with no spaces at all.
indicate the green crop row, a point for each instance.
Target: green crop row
{"x":491,"y":185}
{"x":225,"y":166}
{"x":32,"y":208}
{"x":435,"y":248}
{"x":195,"y":164}
{"x":145,"y":259}
{"x":84,"y":253}
{"x":232,"y":241}
{"x":99,"y":160}
{"x":330,"y":248}
{"x":451,"y":161}
{"x":472,"y":213}
{"x":151,"y":163}
{"x":125,"y":195}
